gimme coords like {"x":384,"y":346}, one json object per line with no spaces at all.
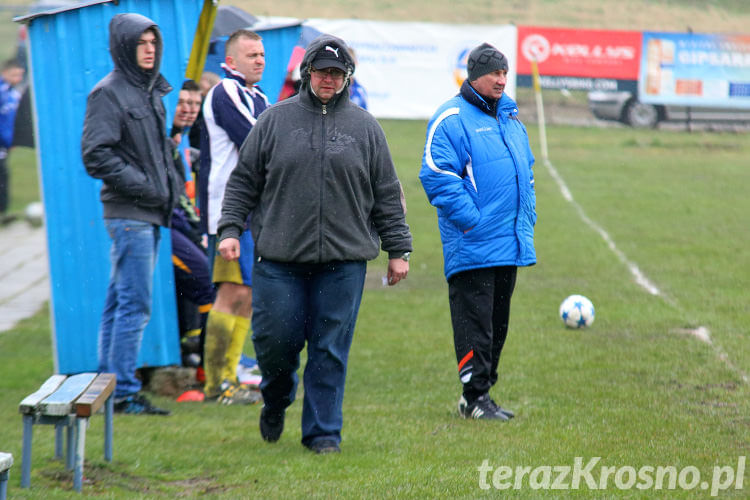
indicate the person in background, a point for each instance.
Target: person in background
{"x":477,"y":172}
{"x":193,"y":285}
{"x":291,"y":84}
{"x":188,"y":106}
{"x":230,"y":111}
{"x":125,"y":144}
{"x":357,"y":92}
{"x":11,"y":75}
{"x":208,"y":79}
{"x":292,"y":81}
{"x":318,"y":177}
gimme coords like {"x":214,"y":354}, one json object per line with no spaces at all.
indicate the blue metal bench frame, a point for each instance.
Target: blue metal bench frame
{"x":6,"y":460}
{"x":68,"y":403}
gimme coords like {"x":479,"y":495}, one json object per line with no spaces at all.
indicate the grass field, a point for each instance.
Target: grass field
{"x":635,"y":389}
{"x":24,"y":179}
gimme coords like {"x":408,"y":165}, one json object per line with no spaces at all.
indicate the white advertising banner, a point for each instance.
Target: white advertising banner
{"x":409,"y":69}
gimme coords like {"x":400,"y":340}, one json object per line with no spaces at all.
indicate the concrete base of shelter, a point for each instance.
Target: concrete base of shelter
{"x":171,"y":381}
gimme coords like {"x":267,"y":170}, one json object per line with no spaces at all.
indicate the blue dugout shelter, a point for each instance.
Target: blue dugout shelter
{"x":69,"y":54}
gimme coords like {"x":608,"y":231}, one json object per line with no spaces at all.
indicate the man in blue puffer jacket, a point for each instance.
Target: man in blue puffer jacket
{"x":477,"y":172}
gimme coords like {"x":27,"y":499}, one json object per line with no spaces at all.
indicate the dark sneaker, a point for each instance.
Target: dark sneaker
{"x":271,"y":424}
{"x":483,"y":408}
{"x":325,"y":446}
{"x":238,"y":394}
{"x":137,"y":404}
{"x":502,"y":410}
{"x":462,"y":404}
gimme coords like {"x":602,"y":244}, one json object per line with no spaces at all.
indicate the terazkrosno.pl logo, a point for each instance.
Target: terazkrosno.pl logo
{"x":589,"y":476}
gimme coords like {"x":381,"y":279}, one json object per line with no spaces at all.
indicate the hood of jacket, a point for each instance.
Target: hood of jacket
{"x":314,"y":48}
{"x":124,"y":32}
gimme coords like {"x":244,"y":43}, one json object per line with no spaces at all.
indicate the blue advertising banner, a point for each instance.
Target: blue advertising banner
{"x":693,"y":69}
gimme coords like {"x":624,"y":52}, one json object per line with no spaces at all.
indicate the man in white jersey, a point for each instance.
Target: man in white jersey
{"x":230,"y":111}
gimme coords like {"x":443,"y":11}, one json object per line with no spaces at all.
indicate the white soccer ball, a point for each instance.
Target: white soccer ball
{"x":35,"y":213}
{"x":576,"y":311}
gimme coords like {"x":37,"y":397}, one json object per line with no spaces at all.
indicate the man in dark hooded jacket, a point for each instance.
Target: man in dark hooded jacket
{"x":318,"y":176}
{"x":125,"y":144}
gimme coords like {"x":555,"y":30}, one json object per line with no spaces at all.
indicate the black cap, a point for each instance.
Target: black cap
{"x":330,"y":56}
{"x":485,"y":59}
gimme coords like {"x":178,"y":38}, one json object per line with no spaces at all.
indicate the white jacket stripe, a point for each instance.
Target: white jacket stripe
{"x":428,"y":157}
{"x":233,"y":90}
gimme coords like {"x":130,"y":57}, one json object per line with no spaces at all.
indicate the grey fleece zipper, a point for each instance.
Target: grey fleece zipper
{"x":322,"y":181}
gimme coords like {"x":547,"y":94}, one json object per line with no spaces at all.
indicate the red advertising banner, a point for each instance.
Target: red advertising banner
{"x":608,"y":54}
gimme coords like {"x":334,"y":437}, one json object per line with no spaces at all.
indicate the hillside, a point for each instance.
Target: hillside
{"x":724,"y":16}
{"x":712,"y":16}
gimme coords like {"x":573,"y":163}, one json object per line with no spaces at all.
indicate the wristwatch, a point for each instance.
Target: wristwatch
{"x":405,"y":256}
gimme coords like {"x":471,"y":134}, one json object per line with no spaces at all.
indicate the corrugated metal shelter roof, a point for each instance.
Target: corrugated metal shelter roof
{"x":40,"y":9}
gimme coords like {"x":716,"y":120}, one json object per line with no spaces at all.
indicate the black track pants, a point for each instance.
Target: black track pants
{"x":480,"y":309}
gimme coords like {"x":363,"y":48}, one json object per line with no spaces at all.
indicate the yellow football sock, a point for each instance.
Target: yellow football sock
{"x":234,"y":350}
{"x":219,"y":328}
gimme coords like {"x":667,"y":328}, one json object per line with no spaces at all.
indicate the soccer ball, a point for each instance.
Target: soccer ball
{"x":35,"y":213}
{"x":577,"y":311}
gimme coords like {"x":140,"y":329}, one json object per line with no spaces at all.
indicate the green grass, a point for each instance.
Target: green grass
{"x":24,"y":185}
{"x":8,"y":34}
{"x":24,"y":178}
{"x":632,"y":389}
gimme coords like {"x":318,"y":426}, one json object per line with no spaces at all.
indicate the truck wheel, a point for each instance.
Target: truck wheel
{"x":640,"y":115}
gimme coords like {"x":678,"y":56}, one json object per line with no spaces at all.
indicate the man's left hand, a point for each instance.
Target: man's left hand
{"x":397,"y":270}
{"x":229,"y":248}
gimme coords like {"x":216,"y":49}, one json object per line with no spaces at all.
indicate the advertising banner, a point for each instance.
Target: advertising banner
{"x":409,"y":69}
{"x":692,"y":69}
{"x":579,"y":59}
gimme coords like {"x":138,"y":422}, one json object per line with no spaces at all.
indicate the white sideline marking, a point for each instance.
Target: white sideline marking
{"x":639,"y":277}
{"x":701,"y":333}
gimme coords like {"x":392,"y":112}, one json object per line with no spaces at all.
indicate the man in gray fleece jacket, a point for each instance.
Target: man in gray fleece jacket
{"x":317,"y":175}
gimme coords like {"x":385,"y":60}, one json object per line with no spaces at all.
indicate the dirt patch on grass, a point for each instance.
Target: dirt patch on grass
{"x":198,"y":486}
{"x":101,"y":478}
{"x":721,"y":386}
{"x":726,"y":386}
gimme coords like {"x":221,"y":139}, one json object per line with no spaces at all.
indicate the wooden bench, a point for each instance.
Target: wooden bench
{"x":68,"y":403}
{"x":6,"y":460}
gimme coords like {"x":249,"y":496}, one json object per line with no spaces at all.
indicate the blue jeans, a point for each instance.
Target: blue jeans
{"x":313,"y":303}
{"x":127,"y":308}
